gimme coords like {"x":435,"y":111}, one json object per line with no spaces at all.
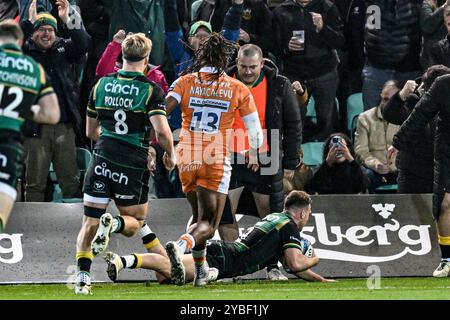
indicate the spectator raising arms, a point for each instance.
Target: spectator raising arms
{"x":12,"y":115}
{"x":55,"y":143}
{"x":112,"y":61}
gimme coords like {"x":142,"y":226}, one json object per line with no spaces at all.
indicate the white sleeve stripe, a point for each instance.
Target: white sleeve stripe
{"x":174,"y":95}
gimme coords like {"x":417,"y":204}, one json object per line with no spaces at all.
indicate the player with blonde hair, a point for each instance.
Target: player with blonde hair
{"x":122,"y":108}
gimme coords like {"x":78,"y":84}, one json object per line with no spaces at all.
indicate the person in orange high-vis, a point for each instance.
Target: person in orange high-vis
{"x":280,"y":117}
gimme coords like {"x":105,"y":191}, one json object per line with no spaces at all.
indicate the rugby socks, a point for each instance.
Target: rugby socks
{"x":149,"y":238}
{"x":444,"y":243}
{"x":84,"y":261}
{"x":118,"y":225}
{"x":132,"y":261}
{"x":200,"y":260}
{"x":186,"y":243}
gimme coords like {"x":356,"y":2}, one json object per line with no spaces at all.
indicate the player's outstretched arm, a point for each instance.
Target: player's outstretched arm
{"x":310,"y":275}
{"x":48,"y":110}
{"x":297,"y":262}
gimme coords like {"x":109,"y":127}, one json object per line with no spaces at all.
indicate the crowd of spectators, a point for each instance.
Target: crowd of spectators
{"x":328,"y":50}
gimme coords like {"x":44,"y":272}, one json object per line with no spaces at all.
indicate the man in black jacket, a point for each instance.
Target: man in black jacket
{"x":306,"y":35}
{"x":440,"y":52}
{"x":415,"y":160}
{"x":435,"y":101}
{"x":256,"y":23}
{"x":279,"y":114}
{"x":392,"y":45}
{"x":55,"y":143}
{"x":8,"y":9}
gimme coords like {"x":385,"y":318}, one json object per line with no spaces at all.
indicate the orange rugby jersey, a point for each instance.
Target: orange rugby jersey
{"x":208,"y":110}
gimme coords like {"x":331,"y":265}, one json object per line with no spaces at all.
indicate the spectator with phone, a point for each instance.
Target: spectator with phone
{"x":341,"y":171}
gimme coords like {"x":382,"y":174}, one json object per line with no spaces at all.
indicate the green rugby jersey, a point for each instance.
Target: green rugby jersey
{"x":123,"y":103}
{"x":265,"y":242}
{"x":23,"y":82}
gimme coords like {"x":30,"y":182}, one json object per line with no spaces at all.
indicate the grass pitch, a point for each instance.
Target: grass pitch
{"x":344,"y":289}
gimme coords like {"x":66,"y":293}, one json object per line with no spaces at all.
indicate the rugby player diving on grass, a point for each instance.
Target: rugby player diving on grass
{"x":275,"y":238}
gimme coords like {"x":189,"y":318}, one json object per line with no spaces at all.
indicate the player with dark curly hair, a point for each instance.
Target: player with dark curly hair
{"x":209,"y":100}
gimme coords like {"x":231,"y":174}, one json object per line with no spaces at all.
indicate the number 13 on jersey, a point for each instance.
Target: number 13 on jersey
{"x":207,"y":113}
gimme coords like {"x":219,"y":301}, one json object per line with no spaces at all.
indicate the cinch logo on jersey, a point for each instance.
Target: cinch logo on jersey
{"x":21,"y":64}
{"x":115,"y":87}
{"x":118,"y":88}
{"x":102,"y":170}
{"x":11,"y":248}
{"x":413,"y":239}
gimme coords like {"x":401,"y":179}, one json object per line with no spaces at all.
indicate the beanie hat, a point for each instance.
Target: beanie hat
{"x":45,"y":18}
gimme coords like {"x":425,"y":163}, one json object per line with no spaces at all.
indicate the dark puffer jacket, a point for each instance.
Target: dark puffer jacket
{"x":256,"y":21}
{"x":319,"y":56}
{"x":396,"y":42}
{"x":440,"y":52}
{"x":417,"y":155}
{"x":435,"y":101}
{"x":282,"y":113}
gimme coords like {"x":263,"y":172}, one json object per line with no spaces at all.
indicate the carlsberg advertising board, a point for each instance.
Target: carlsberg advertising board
{"x":351,"y":234}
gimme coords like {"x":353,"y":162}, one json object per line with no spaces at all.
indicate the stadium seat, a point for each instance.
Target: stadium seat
{"x":312,"y":153}
{"x":388,"y":188}
{"x":354,"y":107}
{"x":311,"y":109}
